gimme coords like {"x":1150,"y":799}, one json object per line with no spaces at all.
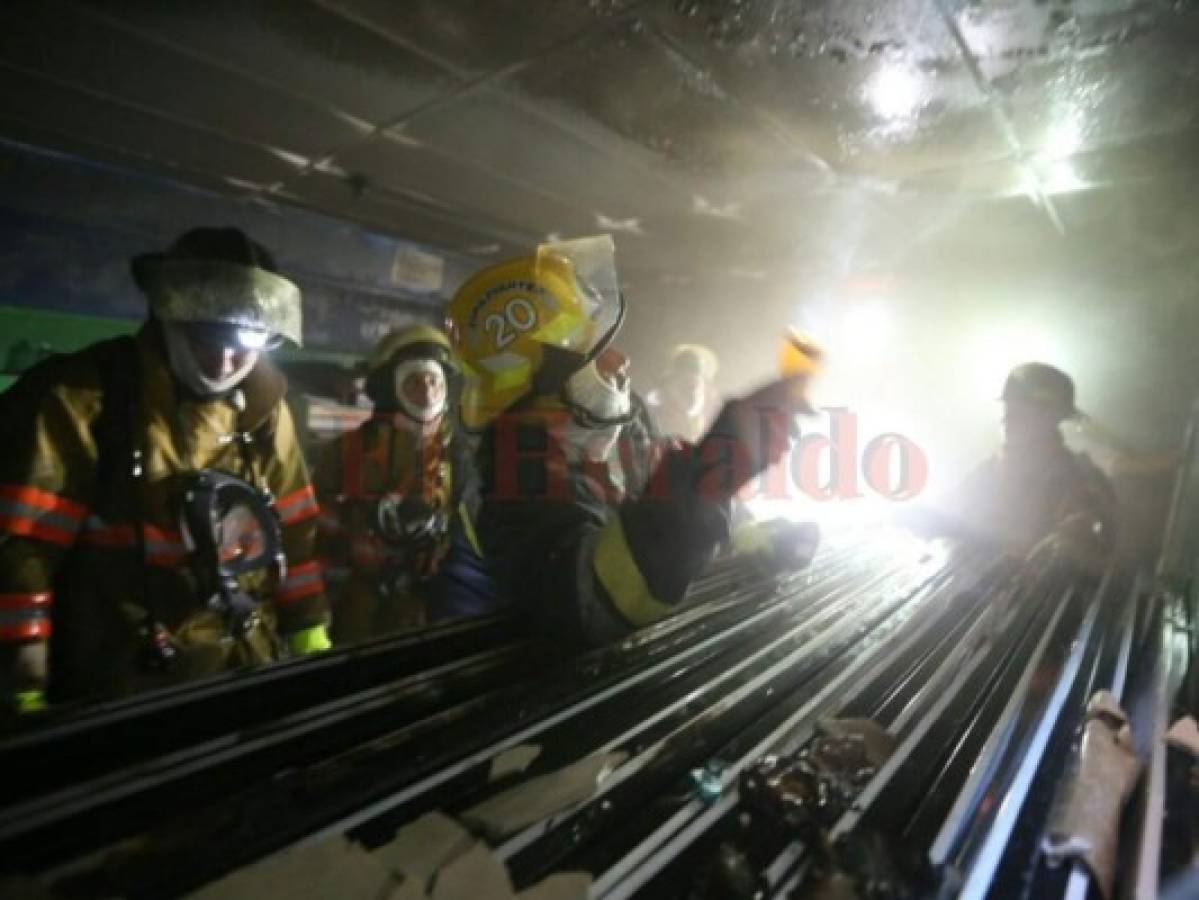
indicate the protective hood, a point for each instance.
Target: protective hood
{"x":600,"y":409}
{"x":596,"y":398}
{"x":438,"y":394}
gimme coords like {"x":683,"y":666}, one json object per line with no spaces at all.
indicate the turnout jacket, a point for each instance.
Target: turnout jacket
{"x":384,"y":456}
{"x":72,"y":569}
{"x":592,"y":550}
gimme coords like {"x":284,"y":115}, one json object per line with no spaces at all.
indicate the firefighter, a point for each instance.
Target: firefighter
{"x":395,"y":533}
{"x":687,"y":402}
{"x":156,"y":518}
{"x":1036,"y":495}
{"x":589,"y":559}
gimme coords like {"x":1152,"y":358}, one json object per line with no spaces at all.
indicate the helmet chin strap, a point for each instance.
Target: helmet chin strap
{"x":184,"y":366}
{"x":599,"y":411}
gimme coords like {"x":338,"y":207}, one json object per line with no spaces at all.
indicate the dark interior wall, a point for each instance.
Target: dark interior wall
{"x":68,"y":228}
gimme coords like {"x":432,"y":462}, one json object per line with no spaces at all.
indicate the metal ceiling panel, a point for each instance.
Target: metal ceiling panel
{"x":396,"y":163}
{"x":868,"y":88}
{"x":646,"y":91}
{"x":531,"y":141}
{"x":1142,"y":86}
{"x":53,"y":39}
{"x":297,"y":46}
{"x":718,"y":140}
{"x":393,"y":212}
{"x":159,"y":143}
{"x":477,"y":38}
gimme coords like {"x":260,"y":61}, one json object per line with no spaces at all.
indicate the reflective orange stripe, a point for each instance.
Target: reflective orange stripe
{"x":303,"y":570}
{"x":291,"y":595}
{"x":164,"y":547}
{"x":296,"y":496}
{"x":297,"y":506}
{"x":31,"y":630}
{"x":166,"y":535}
{"x":31,"y":512}
{"x":26,"y":601}
{"x":19,"y":525}
{"x":25,"y":617}
{"x":302,"y":581}
{"x":31,"y":496}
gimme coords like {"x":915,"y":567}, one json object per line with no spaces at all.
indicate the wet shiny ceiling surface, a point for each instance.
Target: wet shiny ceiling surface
{"x":720,"y":140}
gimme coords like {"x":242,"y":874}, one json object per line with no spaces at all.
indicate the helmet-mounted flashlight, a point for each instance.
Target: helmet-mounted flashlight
{"x":240,"y":337}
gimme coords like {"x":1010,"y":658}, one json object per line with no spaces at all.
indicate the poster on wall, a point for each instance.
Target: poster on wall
{"x":417,"y":271}
{"x":342,"y":319}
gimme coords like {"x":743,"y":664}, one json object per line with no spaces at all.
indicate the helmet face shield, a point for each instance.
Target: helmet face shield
{"x":215,"y":292}
{"x":592,"y":262}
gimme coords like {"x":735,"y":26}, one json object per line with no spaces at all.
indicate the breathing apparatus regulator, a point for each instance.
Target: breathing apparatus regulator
{"x":232,"y":530}
{"x":409,"y":523}
{"x":413,"y":532}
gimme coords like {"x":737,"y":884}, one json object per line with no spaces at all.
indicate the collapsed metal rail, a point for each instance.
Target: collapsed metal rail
{"x":978,"y":671}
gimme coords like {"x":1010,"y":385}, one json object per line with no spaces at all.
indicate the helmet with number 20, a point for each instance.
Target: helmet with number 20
{"x":523,"y":327}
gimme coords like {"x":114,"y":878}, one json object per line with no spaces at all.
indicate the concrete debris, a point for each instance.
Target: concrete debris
{"x":541,"y":797}
{"x":334,"y":868}
{"x":513,"y":761}
{"x":562,"y":886}
{"x":475,"y":875}
{"x":423,"y":847}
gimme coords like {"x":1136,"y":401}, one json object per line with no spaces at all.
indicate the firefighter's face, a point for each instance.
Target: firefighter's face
{"x":424,"y":389}
{"x":1027,"y":423}
{"x":217,"y":360}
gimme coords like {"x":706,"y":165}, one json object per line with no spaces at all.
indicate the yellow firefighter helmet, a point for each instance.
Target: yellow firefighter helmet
{"x":523,"y":327}
{"x":422,"y":341}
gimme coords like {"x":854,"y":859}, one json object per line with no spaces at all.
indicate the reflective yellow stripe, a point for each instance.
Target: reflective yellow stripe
{"x":468,"y":527}
{"x":514,"y":375}
{"x":618,"y":573}
{"x":309,"y":640}
{"x":563,"y":330}
{"x":750,"y":538}
{"x":27,"y":702}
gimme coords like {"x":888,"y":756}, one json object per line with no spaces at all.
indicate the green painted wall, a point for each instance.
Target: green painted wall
{"x":28,"y":334}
